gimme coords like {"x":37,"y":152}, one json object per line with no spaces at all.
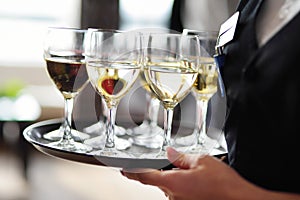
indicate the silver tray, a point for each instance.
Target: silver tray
{"x":34,"y":135}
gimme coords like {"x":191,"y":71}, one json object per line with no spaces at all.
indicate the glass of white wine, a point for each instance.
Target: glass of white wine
{"x":64,"y":56}
{"x":99,"y":128}
{"x":171,"y":67}
{"x":206,"y":85}
{"x":113,"y":64}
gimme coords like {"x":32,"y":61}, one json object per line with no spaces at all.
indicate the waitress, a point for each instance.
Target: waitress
{"x":261,"y":77}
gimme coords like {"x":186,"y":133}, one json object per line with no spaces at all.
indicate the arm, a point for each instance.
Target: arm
{"x":204,"y":177}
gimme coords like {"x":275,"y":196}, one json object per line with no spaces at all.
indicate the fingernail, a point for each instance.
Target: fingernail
{"x":172,"y":154}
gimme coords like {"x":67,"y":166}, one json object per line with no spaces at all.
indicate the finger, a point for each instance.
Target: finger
{"x":181,"y":160}
{"x":150,"y":177}
{"x":167,"y":180}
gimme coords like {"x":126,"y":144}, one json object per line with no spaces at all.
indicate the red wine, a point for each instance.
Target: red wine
{"x":69,"y":76}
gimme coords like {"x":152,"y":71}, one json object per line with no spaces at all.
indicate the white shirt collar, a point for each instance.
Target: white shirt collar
{"x":273,"y":16}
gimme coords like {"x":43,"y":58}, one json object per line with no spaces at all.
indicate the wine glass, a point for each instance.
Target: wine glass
{"x":148,"y":134}
{"x":113,"y":65}
{"x":64,"y":55}
{"x":171,"y":68}
{"x":99,"y":128}
{"x":205,"y":87}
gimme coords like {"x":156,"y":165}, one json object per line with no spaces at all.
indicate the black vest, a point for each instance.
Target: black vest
{"x":263,"y":97}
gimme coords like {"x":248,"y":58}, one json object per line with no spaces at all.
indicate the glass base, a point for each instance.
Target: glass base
{"x":120,"y":131}
{"x":98,"y":142}
{"x":144,"y":128}
{"x":95,"y":129}
{"x":99,"y":129}
{"x":147,"y":135}
{"x":189,"y":144}
{"x":153,"y":141}
{"x":56,"y":135}
{"x":110,"y":152}
{"x":192,"y":140}
{"x":71,"y":146}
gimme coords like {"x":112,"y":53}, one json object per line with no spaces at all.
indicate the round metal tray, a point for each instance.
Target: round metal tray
{"x":34,"y":134}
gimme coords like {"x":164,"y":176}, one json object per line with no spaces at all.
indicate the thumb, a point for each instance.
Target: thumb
{"x":180,"y":160}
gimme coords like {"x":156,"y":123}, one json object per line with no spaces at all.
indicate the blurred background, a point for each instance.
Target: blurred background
{"x":27,"y":95}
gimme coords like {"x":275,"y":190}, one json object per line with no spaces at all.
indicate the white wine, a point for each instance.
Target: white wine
{"x":206,"y":83}
{"x":112,"y":80}
{"x":68,"y":74}
{"x":170,"y":81}
{"x":144,"y":83}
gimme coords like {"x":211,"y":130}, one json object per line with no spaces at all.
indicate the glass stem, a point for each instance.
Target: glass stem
{"x":110,"y":127}
{"x":69,"y":104}
{"x":148,"y":111}
{"x":202,"y":126}
{"x":153,"y":111}
{"x":104,"y":110}
{"x":198,"y":120}
{"x":168,"y":118}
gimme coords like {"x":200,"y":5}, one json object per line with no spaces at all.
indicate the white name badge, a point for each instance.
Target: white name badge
{"x":227,"y":30}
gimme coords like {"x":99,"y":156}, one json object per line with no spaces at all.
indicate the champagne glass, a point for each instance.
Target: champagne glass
{"x":171,"y":68}
{"x":205,"y":87}
{"x":64,"y":55}
{"x":113,"y":65}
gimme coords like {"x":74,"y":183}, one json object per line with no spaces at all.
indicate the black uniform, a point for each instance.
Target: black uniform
{"x":263,"y":96}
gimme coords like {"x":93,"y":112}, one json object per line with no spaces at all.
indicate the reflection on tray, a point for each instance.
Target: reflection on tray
{"x":133,"y":156}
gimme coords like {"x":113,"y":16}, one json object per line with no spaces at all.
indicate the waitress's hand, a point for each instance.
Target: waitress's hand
{"x":197,"y":177}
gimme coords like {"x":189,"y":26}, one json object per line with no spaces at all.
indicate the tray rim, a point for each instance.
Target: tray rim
{"x":157,"y":163}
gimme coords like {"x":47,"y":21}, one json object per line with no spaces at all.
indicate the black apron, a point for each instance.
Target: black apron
{"x":263,"y":97}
